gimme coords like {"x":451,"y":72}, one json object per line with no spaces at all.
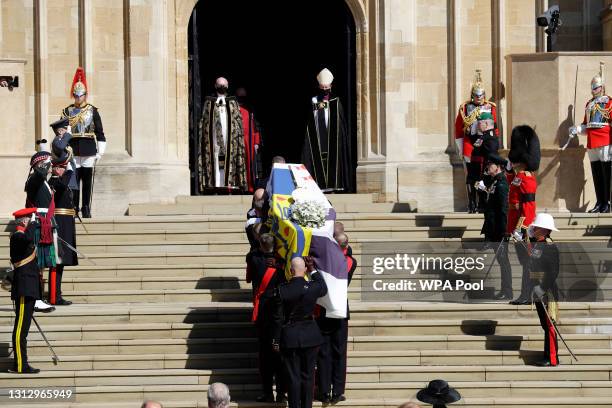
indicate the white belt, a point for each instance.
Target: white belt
{"x":596,"y":125}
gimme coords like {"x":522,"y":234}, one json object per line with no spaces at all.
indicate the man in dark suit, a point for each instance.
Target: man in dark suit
{"x":297,"y":335}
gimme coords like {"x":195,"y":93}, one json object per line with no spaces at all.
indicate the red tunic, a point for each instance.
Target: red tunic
{"x":597,"y":137}
{"x":461,"y":133}
{"x":523,"y":186}
{"x":252,"y":138}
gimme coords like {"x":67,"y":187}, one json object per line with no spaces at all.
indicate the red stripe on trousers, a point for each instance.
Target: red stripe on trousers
{"x":52,"y":278}
{"x":552,"y":343}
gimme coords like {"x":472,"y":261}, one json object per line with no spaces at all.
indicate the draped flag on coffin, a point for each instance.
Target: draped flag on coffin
{"x":293,"y":240}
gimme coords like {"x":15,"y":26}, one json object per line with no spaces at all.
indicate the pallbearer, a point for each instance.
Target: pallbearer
{"x":25,"y":287}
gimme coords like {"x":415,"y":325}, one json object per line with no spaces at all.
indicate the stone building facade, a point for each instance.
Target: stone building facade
{"x":415,"y":61}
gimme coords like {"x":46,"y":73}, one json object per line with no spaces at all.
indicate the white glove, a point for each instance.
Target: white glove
{"x":98,"y":156}
{"x":517,"y":235}
{"x":101,"y":148}
{"x":481,"y":186}
{"x":69,"y":129}
{"x":575,"y":130}
{"x":538,"y":292}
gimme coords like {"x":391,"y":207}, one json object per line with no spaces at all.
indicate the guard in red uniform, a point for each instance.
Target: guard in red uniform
{"x":466,"y":135}
{"x":524,"y":160}
{"x":596,"y":125}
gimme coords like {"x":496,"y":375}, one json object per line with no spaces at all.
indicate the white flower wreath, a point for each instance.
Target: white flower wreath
{"x":308,"y":213}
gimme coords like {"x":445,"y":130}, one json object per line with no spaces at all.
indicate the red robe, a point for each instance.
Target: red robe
{"x":252,"y":138}
{"x":523,"y":186}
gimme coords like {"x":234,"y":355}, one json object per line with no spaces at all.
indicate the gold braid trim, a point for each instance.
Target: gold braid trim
{"x":468,"y":120}
{"x":605,"y":112}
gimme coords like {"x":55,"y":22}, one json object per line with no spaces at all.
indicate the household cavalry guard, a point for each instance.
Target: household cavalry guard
{"x":467,"y":137}
{"x":88,"y":142}
{"x":596,"y":125}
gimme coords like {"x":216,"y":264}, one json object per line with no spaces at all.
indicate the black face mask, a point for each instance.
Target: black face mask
{"x":324,"y":92}
{"x":241,"y":100}
{"x":221,"y":90}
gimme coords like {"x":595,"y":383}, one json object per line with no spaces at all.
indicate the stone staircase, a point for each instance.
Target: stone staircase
{"x":161,"y":310}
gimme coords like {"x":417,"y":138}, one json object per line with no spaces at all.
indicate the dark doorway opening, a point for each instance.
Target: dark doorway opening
{"x":274,"y":49}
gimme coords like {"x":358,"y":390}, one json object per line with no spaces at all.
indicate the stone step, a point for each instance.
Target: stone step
{"x":370,"y":374}
{"x":144,"y":361}
{"x":138,"y":395}
{"x":247,"y":199}
{"x":241,"y":312}
{"x":194,"y":208}
{"x":436,"y":343}
{"x":357,"y":235}
{"x":83,"y":282}
{"x":363,"y":220}
{"x":397,"y":327}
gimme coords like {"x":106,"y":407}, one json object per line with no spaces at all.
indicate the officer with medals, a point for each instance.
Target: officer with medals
{"x":61,"y":181}
{"x":296,"y":333}
{"x":596,"y":125}
{"x":25,"y":287}
{"x":495,"y":220}
{"x":466,"y":136}
{"x":88,"y":141}
{"x":543,"y":265}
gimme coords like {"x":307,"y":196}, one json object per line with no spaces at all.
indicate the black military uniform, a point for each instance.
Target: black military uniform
{"x":331,"y":359}
{"x":40,"y":196}
{"x":25,"y":290}
{"x":486,"y":144}
{"x":266,"y":279}
{"x":298,"y":335}
{"x":495,"y":225}
{"x":543,"y":267}
{"x":64,"y":217}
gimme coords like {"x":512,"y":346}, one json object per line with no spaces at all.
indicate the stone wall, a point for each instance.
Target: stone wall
{"x":415,"y":62}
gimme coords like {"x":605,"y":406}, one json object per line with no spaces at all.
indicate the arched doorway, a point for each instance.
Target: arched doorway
{"x":276,"y":60}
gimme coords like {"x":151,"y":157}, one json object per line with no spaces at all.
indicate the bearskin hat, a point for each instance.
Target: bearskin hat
{"x":525,"y":147}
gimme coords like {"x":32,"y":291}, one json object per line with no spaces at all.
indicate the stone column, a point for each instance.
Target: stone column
{"x":15,"y":145}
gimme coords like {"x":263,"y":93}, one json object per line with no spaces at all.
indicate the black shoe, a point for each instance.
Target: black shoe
{"x":323,"y":398}
{"x":502,"y":296}
{"x":544,"y":363}
{"x":265,"y":398}
{"x":281,"y":398}
{"x":26,"y":370}
{"x":519,"y":301}
{"x":594,"y":209}
{"x":86,"y":212}
{"x":338,"y":398}
{"x":63,"y":302}
{"x":604,"y":208}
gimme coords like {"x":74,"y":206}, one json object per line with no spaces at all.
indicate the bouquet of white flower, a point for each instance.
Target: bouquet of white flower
{"x":308,"y":213}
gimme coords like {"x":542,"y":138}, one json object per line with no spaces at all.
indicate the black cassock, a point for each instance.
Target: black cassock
{"x":327,"y":146}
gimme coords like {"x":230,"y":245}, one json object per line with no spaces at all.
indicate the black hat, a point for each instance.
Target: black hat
{"x":525,"y":147}
{"x":60,"y":123}
{"x":496,"y":159}
{"x":38,"y":157}
{"x":438,"y":392}
{"x":61,"y":161}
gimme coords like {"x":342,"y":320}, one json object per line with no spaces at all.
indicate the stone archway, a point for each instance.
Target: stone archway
{"x":369,"y":139}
